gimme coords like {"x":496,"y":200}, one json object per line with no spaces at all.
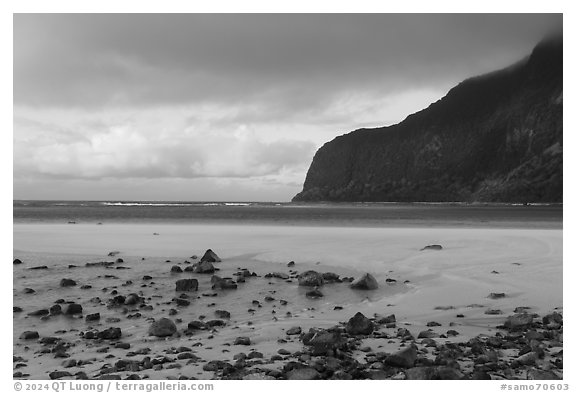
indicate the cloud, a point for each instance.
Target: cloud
{"x":297,"y":61}
{"x":125,"y":151}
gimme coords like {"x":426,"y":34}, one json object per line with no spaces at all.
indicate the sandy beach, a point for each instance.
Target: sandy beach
{"x":466,"y":290}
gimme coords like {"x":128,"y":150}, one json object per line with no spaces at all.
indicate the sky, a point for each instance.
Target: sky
{"x":227,"y":107}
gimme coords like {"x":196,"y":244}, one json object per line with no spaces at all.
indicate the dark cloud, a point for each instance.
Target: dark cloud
{"x":297,"y":60}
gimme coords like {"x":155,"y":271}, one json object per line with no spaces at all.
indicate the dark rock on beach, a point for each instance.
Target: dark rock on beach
{"x":29,"y":335}
{"x":203,"y":267}
{"x":436,"y":247}
{"x":359,"y":324}
{"x":187,"y":285}
{"x":310,"y":278}
{"x":162,"y":328}
{"x":404,"y":358}
{"x":366,"y":282}
{"x":67,"y":282}
{"x":210,"y":256}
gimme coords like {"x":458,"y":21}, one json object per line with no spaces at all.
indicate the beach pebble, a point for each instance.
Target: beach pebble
{"x":404,"y":358}
{"x":55,"y":310}
{"x":295,"y":330}
{"x":17,"y":309}
{"x":59,"y":374}
{"x":17,"y":261}
{"x":210,"y":256}
{"x":291,"y":263}
{"x":366,"y":282}
{"x":493,"y":312}
{"x":331,"y":277}
{"x":435,"y":373}
{"x":42,"y":267}
{"x":203,"y":267}
{"x":39,"y":313}
{"x":314,"y":294}
{"x":175,"y":269}
{"x":310,"y":278}
{"x":29,"y":291}
{"x":436,"y":247}
{"x":29,"y":335}
{"x":72,"y":309}
{"x":112,"y":333}
{"x":222,"y":314}
{"x":304,"y":373}
{"x":242,"y":341}
{"x":495,"y":295}
{"x":223,"y":283}
{"x":187,"y":285}
{"x":518,"y":321}
{"x":359,"y":324}
{"x":162,"y":328}
{"x":428,"y":334}
{"x":67,"y":282}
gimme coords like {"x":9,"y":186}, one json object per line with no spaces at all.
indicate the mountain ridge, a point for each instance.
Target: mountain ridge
{"x":496,"y":137}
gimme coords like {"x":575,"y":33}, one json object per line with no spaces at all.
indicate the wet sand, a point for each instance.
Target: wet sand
{"x":450,"y":287}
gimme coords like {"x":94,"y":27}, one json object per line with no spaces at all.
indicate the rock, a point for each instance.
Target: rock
{"x":330,"y":277}
{"x":495,"y":295}
{"x":387,"y":320}
{"x":294,"y":331}
{"x":187,"y":285}
{"x":222,"y":314}
{"x":147,"y":277}
{"x":359,"y":324}
{"x":436,"y":247}
{"x":314,"y":294}
{"x":197,"y":325}
{"x":29,"y":290}
{"x":67,"y":282}
{"x":304,"y":373}
{"x":181,"y":302}
{"x":175,"y":269}
{"x":434,"y":373}
{"x":112,"y":333}
{"x":72,"y":309}
{"x":257,"y":377}
{"x":223,"y":283}
{"x":17,"y":262}
{"x":291,"y":263}
{"x":518,"y":321}
{"x":366,"y":282}
{"x":17,"y":309}
{"x":43,"y":267}
{"x":59,"y":374}
{"x":553,"y":318}
{"x":210,"y":256}
{"x":535,"y":374}
{"x":55,"y":310}
{"x":203,"y":267}
{"x":162,"y":328}
{"x":493,"y":312}
{"x":404,"y":358}
{"x":322,"y":341}
{"x":428,"y":334}
{"x":310,"y":278}
{"x":131,"y":299}
{"x":279,"y":275}
{"x":39,"y":313}
{"x":242,"y":341}
{"x":69,"y":363}
{"x":29,"y":335}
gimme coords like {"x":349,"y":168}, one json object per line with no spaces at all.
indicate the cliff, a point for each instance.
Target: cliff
{"x":492,"y":138}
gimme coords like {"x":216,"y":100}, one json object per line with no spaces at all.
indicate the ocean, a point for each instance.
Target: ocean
{"x":320,"y":214}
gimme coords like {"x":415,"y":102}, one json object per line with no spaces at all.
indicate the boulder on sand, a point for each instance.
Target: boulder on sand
{"x":67,"y":282}
{"x":210,"y":256}
{"x":404,"y":358}
{"x":17,"y":261}
{"x":436,"y":247}
{"x":310,"y":278}
{"x":518,"y":321}
{"x":359,"y":324}
{"x":223,"y":283}
{"x":72,"y":309}
{"x":187,"y":285}
{"x":203,"y":267}
{"x":29,"y":335}
{"x":162,"y":328}
{"x":366,"y":282}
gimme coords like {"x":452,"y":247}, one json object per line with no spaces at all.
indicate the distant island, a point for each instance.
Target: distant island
{"x":492,"y":138}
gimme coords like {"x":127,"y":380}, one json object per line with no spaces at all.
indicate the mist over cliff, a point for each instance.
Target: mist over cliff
{"x":492,"y":138}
